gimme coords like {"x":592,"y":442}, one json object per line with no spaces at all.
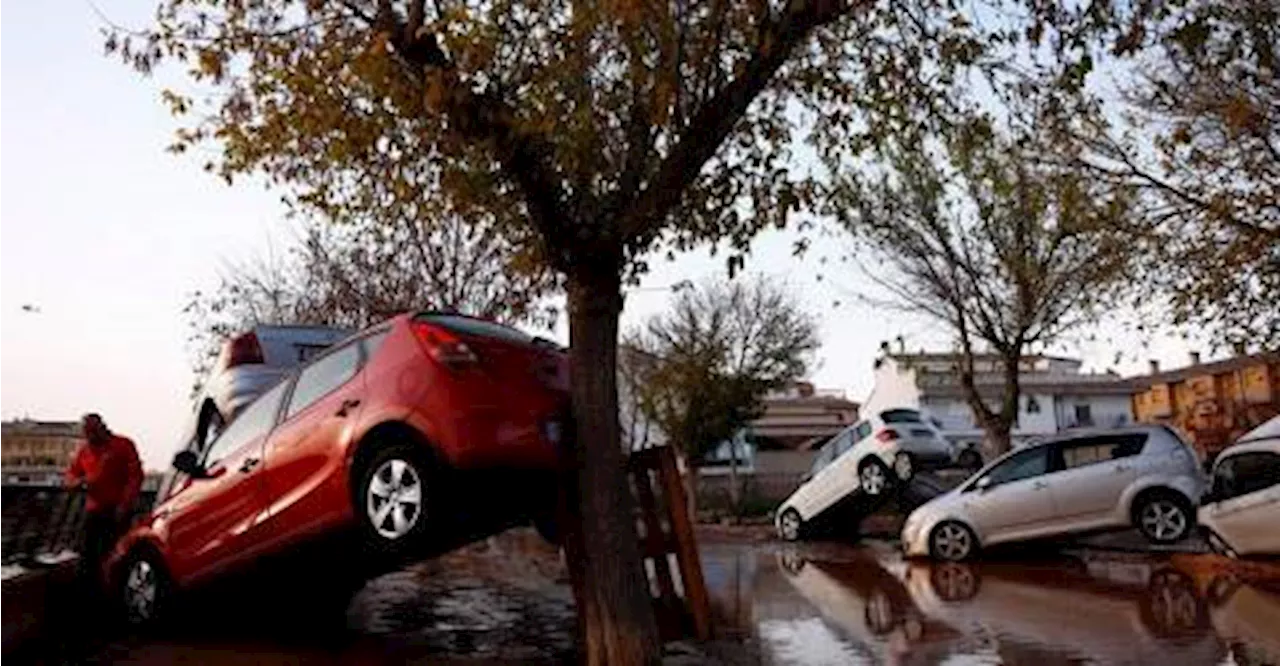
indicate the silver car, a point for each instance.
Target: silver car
{"x":1142,"y":476}
{"x":253,"y":362}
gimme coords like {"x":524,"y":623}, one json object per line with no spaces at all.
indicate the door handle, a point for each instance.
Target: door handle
{"x":1120,"y":469}
{"x":347,"y":405}
{"x":248,"y":465}
{"x":1039,"y":485}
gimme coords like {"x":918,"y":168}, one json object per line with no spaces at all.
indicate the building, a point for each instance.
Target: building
{"x":1212,"y":404}
{"x":1055,"y":394}
{"x":36,"y":452}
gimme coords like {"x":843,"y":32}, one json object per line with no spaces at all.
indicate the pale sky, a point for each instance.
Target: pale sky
{"x":106,"y":234}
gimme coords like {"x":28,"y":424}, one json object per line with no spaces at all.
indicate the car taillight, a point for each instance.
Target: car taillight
{"x":444,"y":346}
{"x":243,"y":349}
{"x":887,"y":435}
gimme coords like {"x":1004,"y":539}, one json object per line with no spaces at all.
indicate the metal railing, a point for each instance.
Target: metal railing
{"x":45,"y":521}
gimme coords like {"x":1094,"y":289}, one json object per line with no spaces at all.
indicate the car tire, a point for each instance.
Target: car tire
{"x":969,"y":460}
{"x":874,"y":477}
{"x":954,"y":582}
{"x":952,"y":541}
{"x":1163,"y":517}
{"x":144,"y":589}
{"x":790,"y":525}
{"x":394,"y":501}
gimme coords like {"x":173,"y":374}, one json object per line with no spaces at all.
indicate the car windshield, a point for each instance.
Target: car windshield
{"x":900,"y":416}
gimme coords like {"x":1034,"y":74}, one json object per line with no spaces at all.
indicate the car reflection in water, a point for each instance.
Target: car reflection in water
{"x":1248,"y":618}
{"x":1101,"y":612}
{"x":869,"y":606}
{"x":834,"y":604}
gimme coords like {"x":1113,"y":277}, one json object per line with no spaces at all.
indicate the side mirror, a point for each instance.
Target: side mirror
{"x":188,"y":463}
{"x":983,"y":484}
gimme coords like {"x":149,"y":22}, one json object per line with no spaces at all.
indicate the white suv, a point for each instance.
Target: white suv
{"x":869,"y":457}
{"x":1143,"y":476}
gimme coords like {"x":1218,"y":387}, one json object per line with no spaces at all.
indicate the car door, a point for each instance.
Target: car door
{"x":306,"y":467}
{"x":1249,"y":485}
{"x":215,"y":520}
{"x":1014,"y":497}
{"x":808,"y":497}
{"x":1094,"y":473}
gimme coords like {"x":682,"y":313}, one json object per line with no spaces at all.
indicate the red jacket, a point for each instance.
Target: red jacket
{"x":111,"y":472}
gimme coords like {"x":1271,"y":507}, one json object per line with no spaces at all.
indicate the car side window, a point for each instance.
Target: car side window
{"x":1023,"y":465}
{"x":823,"y":458}
{"x":1093,"y":450}
{"x":255,"y":421}
{"x":864,"y":430}
{"x":1246,"y":473}
{"x":372,"y":343}
{"x":324,"y":375}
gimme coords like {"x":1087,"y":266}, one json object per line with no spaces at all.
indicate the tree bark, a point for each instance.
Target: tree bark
{"x":611,"y":586}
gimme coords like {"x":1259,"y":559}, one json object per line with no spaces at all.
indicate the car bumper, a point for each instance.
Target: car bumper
{"x":915,"y":542}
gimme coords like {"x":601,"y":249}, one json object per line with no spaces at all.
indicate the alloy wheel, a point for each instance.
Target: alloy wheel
{"x":394,"y":502}
{"x":1163,"y":520}
{"x":141,"y":590}
{"x":789,"y":525}
{"x":952,"y":542}
{"x":873,"y":478}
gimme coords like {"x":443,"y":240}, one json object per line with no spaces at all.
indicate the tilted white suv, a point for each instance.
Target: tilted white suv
{"x":1143,"y":476}
{"x":869,"y":457}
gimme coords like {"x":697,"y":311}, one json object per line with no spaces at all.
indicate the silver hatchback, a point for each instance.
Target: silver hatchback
{"x":1143,"y":476}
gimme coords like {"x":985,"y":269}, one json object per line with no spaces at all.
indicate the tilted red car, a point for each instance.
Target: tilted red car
{"x":365,"y":438}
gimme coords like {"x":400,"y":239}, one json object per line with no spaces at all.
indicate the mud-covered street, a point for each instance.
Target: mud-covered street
{"x":506,"y":600}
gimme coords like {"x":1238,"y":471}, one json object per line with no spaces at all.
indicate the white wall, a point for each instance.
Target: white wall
{"x":895,"y":386}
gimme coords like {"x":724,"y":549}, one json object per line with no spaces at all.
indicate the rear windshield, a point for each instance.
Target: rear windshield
{"x":478,"y":327}
{"x":901,"y":416}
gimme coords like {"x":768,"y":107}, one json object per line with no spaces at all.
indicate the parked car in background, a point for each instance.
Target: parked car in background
{"x":1241,"y":512}
{"x":383,"y":435}
{"x":870,"y":457}
{"x":254,"y":361}
{"x":1143,"y":476}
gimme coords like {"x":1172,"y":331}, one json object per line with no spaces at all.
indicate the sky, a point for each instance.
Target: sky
{"x":106,"y":234}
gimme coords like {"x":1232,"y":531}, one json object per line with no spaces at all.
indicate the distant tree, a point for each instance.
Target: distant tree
{"x":1006,"y":255}
{"x":367,"y":269}
{"x":1198,"y":134}
{"x":596,"y":133}
{"x":719,"y":351}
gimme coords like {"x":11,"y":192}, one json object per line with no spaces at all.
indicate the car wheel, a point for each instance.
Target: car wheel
{"x":952,"y":541}
{"x":969,"y":459}
{"x":903,"y":468}
{"x":1172,"y":608}
{"x":1163,"y":518}
{"x":790,"y":525}
{"x":953,"y":582}
{"x":873,"y":476}
{"x":144,"y":589}
{"x":1220,"y":546}
{"x":880,"y":616}
{"x":394,"y":498}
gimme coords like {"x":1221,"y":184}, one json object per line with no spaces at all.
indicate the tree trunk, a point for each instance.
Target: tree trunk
{"x":611,"y":586}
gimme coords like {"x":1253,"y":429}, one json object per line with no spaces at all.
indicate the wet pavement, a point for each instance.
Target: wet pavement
{"x":838,"y":604}
{"x":506,"y":600}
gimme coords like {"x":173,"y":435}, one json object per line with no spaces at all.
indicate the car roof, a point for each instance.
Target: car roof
{"x":1268,"y":430}
{"x":1078,"y":433}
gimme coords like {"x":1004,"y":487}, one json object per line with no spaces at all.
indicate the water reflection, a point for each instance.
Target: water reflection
{"x":839,"y":605}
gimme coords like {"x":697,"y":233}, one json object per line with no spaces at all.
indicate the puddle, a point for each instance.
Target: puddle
{"x":828,"y":604}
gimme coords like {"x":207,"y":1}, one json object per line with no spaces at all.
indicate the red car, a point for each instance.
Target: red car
{"x":371,"y":437}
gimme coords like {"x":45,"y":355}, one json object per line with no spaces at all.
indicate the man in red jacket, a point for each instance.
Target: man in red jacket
{"x":106,"y":466}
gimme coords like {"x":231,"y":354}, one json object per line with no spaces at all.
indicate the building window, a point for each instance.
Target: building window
{"x":1033,"y":405}
{"x":1084,"y":415}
